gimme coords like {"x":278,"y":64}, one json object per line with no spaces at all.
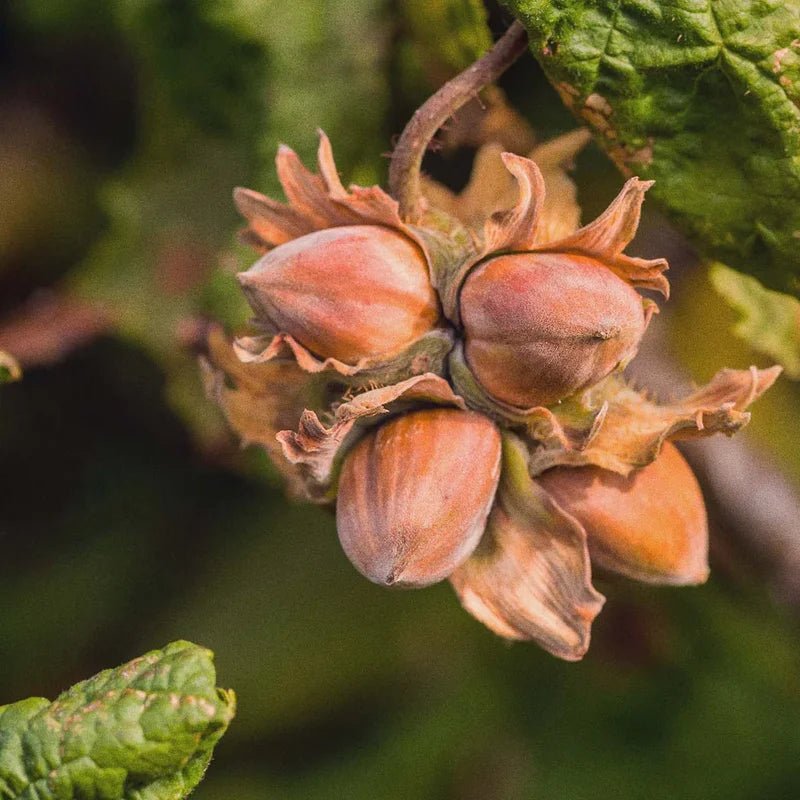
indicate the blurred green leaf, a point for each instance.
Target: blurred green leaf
{"x":170,"y":214}
{"x":701,"y":321}
{"x":60,"y":15}
{"x":700,"y":96}
{"x":299,"y":629}
{"x":769,"y":321}
{"x":327,"y":63}
{"x":143,"y":731}
{"x":451,"y":736}
{"x":440,"y":38}
{"x":164,"y":241}
{"x":463,"y":21}
{"x":223,"y":82}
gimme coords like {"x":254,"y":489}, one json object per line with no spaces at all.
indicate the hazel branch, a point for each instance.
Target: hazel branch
{"x":404,"y":171}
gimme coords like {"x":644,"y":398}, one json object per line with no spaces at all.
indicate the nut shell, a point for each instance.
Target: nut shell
{"x":541,"y":326}
{"x":650,"y":525}
{"x":414,"y":495}
{"x":348,"y":293}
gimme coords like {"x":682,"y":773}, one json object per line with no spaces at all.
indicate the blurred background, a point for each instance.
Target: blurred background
{"x":129,"y":517}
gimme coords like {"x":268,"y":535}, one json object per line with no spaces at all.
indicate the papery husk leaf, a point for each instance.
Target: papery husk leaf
{"x":315,"y":202}
{"x":490,"y":188}
{"x":503,"y":207}
{"x":270,"y":223}
{"x":308,"y":194}
{"x":607,"y":236}
{"x":530,"y":577}
{"x":317,"y":449}
{"x":427,"y":354}
{"x":617,"y":428}
{"x":452,"y":249}
{"x":560,"y":214}
{"x":515,"y":229}
{"x":260,"y":399}
{"x":529,"y":222}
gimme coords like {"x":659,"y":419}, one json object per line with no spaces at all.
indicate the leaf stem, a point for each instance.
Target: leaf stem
{"x":404,"y":171}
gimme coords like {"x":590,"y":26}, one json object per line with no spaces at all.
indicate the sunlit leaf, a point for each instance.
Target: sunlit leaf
{"x":143,"y":731}
{"x":700,"y":96}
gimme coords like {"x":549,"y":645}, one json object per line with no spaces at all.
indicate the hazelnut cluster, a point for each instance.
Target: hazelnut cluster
{"x":453,"y":384}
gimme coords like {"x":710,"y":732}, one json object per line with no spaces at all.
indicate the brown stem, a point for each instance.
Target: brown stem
{"x":404,"y":172}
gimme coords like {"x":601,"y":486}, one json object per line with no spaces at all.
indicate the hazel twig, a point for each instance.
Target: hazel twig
{"x":404,"y":172}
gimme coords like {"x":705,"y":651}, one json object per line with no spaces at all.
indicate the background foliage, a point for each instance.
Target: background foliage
{"x":129,"y":518}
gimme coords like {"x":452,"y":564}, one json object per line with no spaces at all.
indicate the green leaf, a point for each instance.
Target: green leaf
{"x":143,"y":731}
{"x":701,"y":96}
{"x":769,"y":321}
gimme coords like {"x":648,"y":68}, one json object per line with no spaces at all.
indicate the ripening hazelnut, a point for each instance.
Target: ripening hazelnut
{"x":540,"y":326}
{"x":650,"y":525}
{"x":414,"y":495}
{"x":347,"y":293}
